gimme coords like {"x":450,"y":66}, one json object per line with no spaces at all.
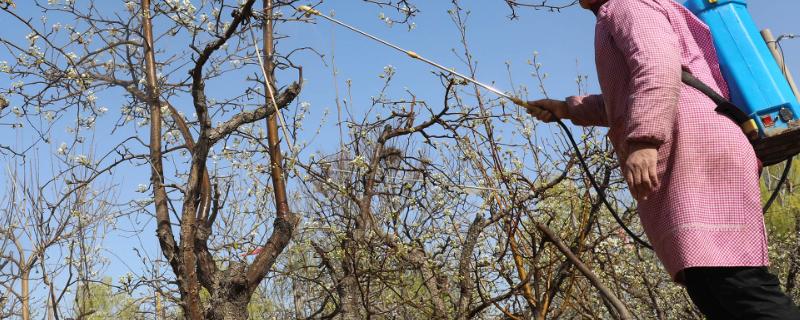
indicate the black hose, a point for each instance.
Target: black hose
{"x":781,"y":181}
{"x":600,"y":192}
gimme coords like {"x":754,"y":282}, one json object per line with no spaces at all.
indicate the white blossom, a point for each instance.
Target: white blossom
{"x":62,"y":149}
{"x":91,"y":98}
{"x":71,"y":73}
{"x":32,"y":37}
{"x":82,"y":160}
{"x":388,"y":21}
{"x":388,"y":72}
{"x":359,"y":162}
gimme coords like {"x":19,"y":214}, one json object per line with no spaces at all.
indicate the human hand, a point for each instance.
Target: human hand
{"x":640,"y":170}
{"x":548,"y":110}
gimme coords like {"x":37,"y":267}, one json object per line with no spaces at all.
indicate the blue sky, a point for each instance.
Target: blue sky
{"x":563,"y":41}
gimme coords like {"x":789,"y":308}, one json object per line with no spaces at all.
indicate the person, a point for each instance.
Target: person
{"x":692,"y":171}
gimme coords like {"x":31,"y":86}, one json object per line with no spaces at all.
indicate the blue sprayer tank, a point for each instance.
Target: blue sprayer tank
{"x":756,"y":83}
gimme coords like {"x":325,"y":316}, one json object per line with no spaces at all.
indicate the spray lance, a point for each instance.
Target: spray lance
{"x":309,"y":11}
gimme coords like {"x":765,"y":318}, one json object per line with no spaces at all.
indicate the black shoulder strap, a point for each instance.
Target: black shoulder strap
{"x":723,"y":105}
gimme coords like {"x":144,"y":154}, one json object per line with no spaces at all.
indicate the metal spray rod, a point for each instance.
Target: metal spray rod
{"x":309,"y":11}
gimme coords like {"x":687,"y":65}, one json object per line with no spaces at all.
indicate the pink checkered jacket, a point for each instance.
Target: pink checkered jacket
{"x":706,"y":211}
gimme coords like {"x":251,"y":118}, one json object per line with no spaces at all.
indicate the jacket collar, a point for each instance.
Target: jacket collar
{"x":596,"y":7}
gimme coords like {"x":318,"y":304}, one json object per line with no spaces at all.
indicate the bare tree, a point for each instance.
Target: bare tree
{"x":50,"y":238}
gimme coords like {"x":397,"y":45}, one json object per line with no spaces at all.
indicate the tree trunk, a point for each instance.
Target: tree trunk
{"x":26,"y":295}
{"x":184,"y":265}
{"x":50,"y":315}
{"x":297,"y":295}
{"x":230,"y":295}
{"x":349,"y":282}
{"x":159,"y":307}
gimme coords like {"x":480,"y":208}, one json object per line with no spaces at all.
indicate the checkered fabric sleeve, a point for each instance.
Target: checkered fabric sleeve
{"x":642,"y":32}
{"x":587,"y":110}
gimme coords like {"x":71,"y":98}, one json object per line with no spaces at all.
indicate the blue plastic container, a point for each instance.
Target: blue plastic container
{"x":756,"y":83}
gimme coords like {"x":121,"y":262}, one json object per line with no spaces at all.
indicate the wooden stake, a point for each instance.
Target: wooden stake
{"x":773,"y":47}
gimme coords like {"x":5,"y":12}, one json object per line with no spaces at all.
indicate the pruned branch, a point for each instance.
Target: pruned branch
{"x":283,"y":99}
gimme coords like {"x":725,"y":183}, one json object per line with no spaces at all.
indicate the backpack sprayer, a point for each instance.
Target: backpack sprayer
{"x":764,"y":98}
{"x":757,"y":84}
{"x":762,"y":101}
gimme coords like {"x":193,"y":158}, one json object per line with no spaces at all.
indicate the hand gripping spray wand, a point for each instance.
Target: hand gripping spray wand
{"x":309,"y":11}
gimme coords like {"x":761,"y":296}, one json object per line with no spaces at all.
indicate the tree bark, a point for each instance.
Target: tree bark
{"x":464,"y":276}
{"x":26,"y":294}
{"x":183,"y":265}
{"x":285,"y":221}
{"x":230,"y":295}
{"x":350,"y":291}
